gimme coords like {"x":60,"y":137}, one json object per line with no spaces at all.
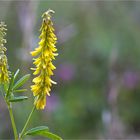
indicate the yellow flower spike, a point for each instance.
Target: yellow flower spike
{"x":4,"y":73}
{"x":44,"y":54}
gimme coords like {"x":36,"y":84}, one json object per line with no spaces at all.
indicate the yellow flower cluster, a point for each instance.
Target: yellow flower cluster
{"x":45,"y":53}
{"x":4,"y":73}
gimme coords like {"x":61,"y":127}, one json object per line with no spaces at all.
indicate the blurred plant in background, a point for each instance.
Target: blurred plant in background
{"x":97,"y":69}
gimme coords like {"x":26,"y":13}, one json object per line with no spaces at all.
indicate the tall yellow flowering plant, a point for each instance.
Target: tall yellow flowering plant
{"x":9,"y":85}
{"x":4,"y":74}
{"x":45,"y":53}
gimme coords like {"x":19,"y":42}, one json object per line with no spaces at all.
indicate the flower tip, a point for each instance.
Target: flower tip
{"x":48,"y":93}
{"x":53,"y":82}
{"x":47,"y":13}
{"x":32,"y":68}
{"x":50,"y":11}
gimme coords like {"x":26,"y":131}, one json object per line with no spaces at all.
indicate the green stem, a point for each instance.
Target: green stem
{"x":12,"y":121}
{"x":26,"y":124}
{"x":9,"y":106}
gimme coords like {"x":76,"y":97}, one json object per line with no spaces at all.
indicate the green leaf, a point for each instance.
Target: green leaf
{"x":16,"y":74}
{"x":37,"y":130}
{"x":6,"y":85}
{"x":13,"y":77}
{"x":42,"y":131}
{"x":20,"y":90}
{"x":18,"y":99}
{"x":50,"y":136}
{"x":21,"y":81}
{"x":10,"y":85}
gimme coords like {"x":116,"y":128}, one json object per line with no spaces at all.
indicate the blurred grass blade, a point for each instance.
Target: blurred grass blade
{"x":20,"y":82}
{"x":37,"y":130}
{"x":20,"y":90}
{"x":18,"y":99}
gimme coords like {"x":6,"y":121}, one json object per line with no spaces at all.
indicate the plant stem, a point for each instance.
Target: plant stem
{"x":26,"y":124}
{"x":9,"y":106}
{"x":12,"y":121}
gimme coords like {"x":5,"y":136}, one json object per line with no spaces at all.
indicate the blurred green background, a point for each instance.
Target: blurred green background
{"x":98,"y":67}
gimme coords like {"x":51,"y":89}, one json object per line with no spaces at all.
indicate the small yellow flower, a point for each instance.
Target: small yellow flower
{"x":4,"y":73}
{"x":44,"y":54}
